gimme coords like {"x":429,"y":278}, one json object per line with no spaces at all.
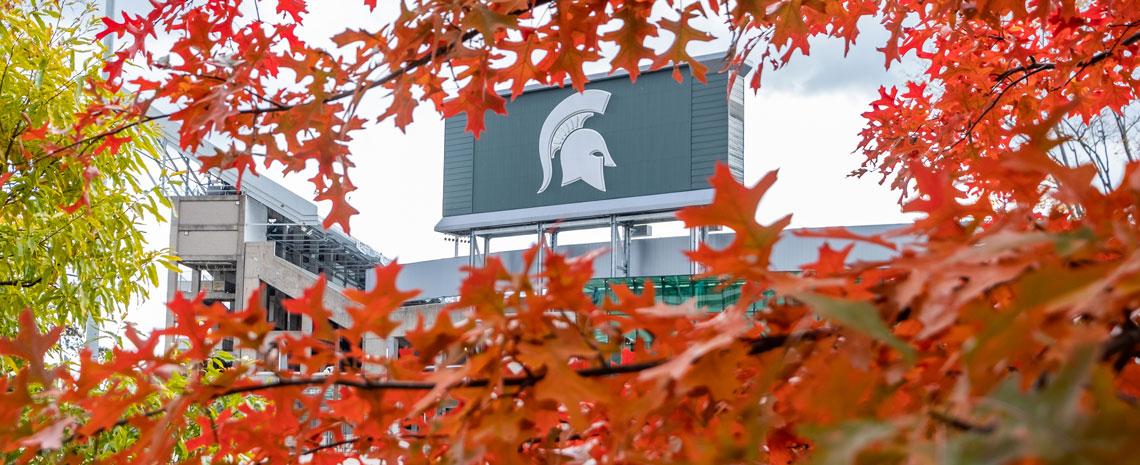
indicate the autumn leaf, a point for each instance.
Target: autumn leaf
{"x":522,"y":70}
{"x":312,"y":305}
{"x":683,"y":34}
{"x":560,"y":382}
{"x":631,"y":38}
{"x":475,"y":98}
{"x":32,"y":347}
{"x":830,"y":262}
{"x":432,"y":341}
{"x":488,"y":22}
{"x":373,"y":315}
{"x":50,"y":437}
{"x":735,"y":206}
{"x":296,"y":9}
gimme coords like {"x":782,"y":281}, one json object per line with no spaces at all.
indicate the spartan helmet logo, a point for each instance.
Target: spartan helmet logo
{"x":584,"y":151}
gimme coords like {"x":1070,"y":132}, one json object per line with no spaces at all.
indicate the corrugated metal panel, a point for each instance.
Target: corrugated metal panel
{"x":458,"y":166}
{"x":737,"y":95}
{"x":736,"y":129}
{"x":709,"y":128}
{"x":736,"y":147}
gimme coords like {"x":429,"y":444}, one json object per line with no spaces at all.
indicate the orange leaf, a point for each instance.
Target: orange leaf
{"x":32,"y":346}
{"x":683,"y":33}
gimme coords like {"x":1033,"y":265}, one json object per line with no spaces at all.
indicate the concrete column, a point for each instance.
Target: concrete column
{"x":248,"y":280}
{"x":374,"y":347}
{"x":195,"y":282}
{"x":171,"y":275}
{"x":393,"y":347}
{"x":247,"y":235}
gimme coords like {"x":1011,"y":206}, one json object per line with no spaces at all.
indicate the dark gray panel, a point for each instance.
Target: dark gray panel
{"x":664,"y":137}
{"x":458,"y":166}
{"x":709,"y":131}
{"x":645,"y":126}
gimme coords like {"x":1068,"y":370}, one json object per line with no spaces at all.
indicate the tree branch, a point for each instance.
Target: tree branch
{"x":757,"y":346}
{"x":22,"y":282}
{"x":314,"y":450}
{"x":1122,"y":345}
{"x":428,"y":57}
{"x":1033,"y":69}
{"x":107,"y":133}
{"x":962,"y":425}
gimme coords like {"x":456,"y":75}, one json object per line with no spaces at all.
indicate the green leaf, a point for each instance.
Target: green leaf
{"x":859,"y":316}
{"x":1047,"y":423}
{"x":93,"y":262}
{"x":841,"y":444}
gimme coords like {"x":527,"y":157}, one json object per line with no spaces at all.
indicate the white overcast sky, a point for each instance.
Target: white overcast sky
{"x":804,"y":122}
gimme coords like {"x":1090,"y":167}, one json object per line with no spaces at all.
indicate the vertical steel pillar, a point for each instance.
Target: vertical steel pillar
{"x":626,"y":245}
{"x":697,"y":236}
{"x":613,"y":246}
{"x":540,"y":232}
{"x":472,"y":249}
{"x":486,"y":250}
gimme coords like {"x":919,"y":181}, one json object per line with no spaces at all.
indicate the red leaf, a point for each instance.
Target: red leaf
{"x":735,"y":206}
{"x":678,"y":52}
{"x":49,"y":438}
{"x":312,"y":305}
{"x":830,"y":261}
{"x":32,"y":346}
{"x":376,"y":306}
{"x":631,"y":38}
{"x":293,"y":8}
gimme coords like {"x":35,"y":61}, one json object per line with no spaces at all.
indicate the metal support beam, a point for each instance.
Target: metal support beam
{"x":541,"y":243}
{"x":472,"y":249}
{"x":697,"y":236}
{"x":626,"y":245}
{"x":588,"y":223}
{"x":613,"y":246}
{"x":486,"y":250}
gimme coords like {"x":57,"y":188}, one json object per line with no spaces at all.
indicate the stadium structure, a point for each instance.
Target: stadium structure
{"x":620,"y":156}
